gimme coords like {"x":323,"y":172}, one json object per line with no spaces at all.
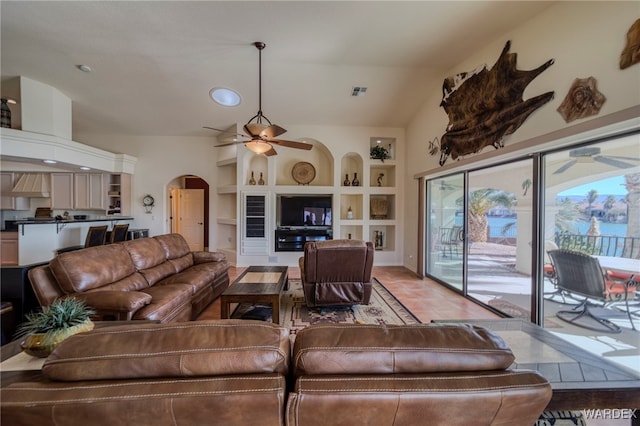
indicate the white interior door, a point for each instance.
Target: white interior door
{"x":190,"y":216}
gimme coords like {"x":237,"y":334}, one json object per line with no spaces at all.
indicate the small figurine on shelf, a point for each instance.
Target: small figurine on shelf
{"x":380,"y":176}
{"x":346,"y":180}
{"x":355,"y":181}
{"x":252,"y":180}
{"x":261,"y":180}
{"x":349,"y":213}
{"x":378,"y":240}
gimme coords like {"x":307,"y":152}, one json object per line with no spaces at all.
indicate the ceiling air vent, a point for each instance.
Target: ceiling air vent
{"x":358,"y":91}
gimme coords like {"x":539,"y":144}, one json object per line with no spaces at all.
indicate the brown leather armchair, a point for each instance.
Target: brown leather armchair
{"x":337,"y":272}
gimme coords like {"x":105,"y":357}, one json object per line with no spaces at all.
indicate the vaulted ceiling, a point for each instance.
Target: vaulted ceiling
{"x":154,"y":62}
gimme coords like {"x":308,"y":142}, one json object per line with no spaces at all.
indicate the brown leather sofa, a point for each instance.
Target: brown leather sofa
{"x":234,"y":372}
{"x":410,"y":375}
{"x":156,"y":278}
{"x":336,"y":272}
{"x":230,"y":372}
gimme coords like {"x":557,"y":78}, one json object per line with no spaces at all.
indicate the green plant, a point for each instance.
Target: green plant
{"x":379,"y":152}
{"x":61,"y":315}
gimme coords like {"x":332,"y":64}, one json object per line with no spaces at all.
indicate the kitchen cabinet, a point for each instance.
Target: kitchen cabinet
{"x":62,"y":191}
{"x":7,"y":200}
{"x":89,"y":191}
{"x":118,"y":200}
{"x":8,"y":248}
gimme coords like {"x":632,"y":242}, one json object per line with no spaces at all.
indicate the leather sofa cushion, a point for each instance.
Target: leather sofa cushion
{"x":145,"y":252}
{"x":167,"y":302}
{"x":196,"y":278}
{"x":483,"y":398}
{"x":403,"y":349}
{"x":94,"y":267}
{"x":186,"y":349}
{"x":155,"y":274}
{"x":230,"y":401}
{"x":182,"y":263}
{"x":323,"y":257}
{"x":174,"y":245}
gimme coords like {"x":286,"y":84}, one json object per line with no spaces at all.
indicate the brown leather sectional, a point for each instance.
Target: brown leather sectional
{"x":157,"y":279}
{"x":234,"y":372}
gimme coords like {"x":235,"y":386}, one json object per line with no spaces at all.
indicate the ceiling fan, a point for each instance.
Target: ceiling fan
{"x":262,"y":136}
{"x":591,"y":154}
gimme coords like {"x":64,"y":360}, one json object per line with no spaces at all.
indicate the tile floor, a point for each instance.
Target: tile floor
{"x":425,"y":298}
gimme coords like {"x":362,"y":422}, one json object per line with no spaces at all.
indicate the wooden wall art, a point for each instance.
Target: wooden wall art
{"x":583,"y":100}
{"x":631,"y":53}
{"x":485,"y":105}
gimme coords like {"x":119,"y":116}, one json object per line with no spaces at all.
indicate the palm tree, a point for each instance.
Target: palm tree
{"x":480,"y":202}
{"x":608,"y":205}
{"x":592,"y":196}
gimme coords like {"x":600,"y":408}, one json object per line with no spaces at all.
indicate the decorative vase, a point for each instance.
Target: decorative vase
{"x":252,"y":180}
{"x":349,"y":213}
{"x":346,"y":180}
{"x":261,"y":180}
{"x":5,"y":118}
{"x":42,"y":344}
{"x":355,"y":181}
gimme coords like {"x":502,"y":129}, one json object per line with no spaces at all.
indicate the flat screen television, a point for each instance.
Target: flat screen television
{"x":304,"y":210}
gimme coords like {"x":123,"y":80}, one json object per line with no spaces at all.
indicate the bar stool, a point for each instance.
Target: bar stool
{"x":96,"y":236}
{"x":118,"y":233}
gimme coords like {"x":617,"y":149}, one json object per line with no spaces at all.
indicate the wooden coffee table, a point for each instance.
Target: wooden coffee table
{"x":259,"y":285}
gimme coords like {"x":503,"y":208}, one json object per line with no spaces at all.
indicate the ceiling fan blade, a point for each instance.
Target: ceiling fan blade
{"x":272,"y":131}
{"x":225,"y":132}
{"x":292,"y":144}
{"x":612,"y":162}
{"x":622,"y":158}
{"x":229,"y":143}
{"x":254,"y":129}
{"x":271,"y":152}
{"x":565,"y":167}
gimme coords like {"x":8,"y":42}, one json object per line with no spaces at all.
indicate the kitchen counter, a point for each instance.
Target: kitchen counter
{"x":53,"y":220}
{"x":39,"y":240}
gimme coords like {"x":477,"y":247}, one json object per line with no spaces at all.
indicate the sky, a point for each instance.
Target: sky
{"x":611,"y":186}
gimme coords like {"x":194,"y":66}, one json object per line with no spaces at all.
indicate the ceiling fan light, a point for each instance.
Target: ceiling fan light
{"x":258,"y":147}
{"x":224,"y":96}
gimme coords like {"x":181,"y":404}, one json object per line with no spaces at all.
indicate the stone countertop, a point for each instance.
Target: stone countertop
{"x":53,"y":220}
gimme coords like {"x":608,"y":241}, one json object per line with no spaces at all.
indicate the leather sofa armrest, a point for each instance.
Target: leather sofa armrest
{"x":207,"y":256}
{"x":114,"y":301}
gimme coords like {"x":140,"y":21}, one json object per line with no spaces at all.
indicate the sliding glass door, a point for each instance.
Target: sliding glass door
{"x":499,"y":237}
{"x":445,"y":235}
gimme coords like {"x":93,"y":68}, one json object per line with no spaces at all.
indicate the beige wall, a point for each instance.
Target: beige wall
{"x":584,"y":38}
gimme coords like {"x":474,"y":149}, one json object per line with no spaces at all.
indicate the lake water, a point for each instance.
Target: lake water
{"x":497,"y":223}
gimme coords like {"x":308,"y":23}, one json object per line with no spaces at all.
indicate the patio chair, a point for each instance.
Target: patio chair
{"x":580,"y":274}
{"x":450,"y":240}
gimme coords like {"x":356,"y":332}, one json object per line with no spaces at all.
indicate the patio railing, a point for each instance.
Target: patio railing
{"x":601,"y":245}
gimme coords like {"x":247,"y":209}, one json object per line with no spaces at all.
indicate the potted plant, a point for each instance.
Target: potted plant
{"x":379,"y":152}
{"x":43,"y":330}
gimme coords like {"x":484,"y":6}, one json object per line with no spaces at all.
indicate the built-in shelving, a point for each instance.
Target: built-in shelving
{"x":379,"y":185}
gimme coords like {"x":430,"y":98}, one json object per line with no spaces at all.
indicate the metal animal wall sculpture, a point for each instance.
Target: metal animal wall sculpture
{"x":582,"y":100}
{"x":631,"y":53}
{"x":486,"y":105}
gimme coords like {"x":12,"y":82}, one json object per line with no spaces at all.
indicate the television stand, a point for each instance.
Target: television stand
{"x":294,"y":238}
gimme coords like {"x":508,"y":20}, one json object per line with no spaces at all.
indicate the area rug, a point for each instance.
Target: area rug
{"x":383,"y":308}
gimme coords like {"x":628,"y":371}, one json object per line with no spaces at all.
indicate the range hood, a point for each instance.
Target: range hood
{"x":32,"y":185}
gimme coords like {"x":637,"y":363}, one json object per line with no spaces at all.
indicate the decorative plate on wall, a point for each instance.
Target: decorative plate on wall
{"x":303,"y":172}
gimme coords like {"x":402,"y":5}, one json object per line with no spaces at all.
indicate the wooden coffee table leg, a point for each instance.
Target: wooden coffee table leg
{"x":224,"y":308}
{"x":275,"y":309}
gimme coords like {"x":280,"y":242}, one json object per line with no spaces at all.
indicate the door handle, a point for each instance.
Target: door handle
{"x":200,"y":223}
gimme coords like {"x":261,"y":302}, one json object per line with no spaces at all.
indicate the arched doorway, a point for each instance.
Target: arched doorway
{"x":189,"y":210}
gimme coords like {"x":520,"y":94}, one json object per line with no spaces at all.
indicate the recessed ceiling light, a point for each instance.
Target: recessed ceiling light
{"x":85,"y":168}
{"x":224,"y":96}
{"x":85,"y":68}
{"x":49,"y":161}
